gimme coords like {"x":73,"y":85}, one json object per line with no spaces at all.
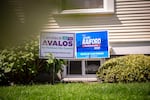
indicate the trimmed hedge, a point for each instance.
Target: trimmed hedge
{"x":131,"y":68}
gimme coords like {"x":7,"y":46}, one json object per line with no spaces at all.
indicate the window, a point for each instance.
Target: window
{"x":87,"y":6}
{"x":74,"y":67}
{"x":82,"y":4}
{"x":92,"y":67}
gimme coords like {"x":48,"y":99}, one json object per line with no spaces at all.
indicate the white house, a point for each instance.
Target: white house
{"x":128,"y":23}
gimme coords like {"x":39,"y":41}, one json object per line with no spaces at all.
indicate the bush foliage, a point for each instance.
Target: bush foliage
{"x":21,"y":64}
{"x":18,"y":64}
{"x":129,"y":68}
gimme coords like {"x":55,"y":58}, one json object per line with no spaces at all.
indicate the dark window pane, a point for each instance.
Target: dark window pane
{"x":92,"y":67}
{"x":74,"y":68}
{"x":81,"y":4}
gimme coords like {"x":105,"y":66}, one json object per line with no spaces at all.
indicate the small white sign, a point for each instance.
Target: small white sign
{"x":60,"y":45}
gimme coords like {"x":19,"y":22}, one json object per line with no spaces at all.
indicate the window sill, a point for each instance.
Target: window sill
{"x":87,"y":11}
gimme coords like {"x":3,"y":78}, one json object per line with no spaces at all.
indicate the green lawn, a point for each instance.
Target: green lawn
{"x":78,"y":91}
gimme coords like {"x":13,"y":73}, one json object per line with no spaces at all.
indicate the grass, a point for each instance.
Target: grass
{"x":78,"y":91}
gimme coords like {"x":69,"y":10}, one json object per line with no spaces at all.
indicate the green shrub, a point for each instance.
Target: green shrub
{"x":129,"y":68}
{"x":21,"y":64}
{"x":18,"y":64}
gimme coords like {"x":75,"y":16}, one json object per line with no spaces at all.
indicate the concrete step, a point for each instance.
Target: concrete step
{"x":80,"y":79}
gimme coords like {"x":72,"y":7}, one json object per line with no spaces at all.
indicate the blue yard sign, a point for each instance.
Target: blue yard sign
{"x":92,"y":45}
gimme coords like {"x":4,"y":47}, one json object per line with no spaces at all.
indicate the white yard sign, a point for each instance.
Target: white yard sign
{"x":61,"y":45}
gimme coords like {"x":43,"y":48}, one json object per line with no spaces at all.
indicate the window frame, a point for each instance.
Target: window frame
{"x":108,"y":8}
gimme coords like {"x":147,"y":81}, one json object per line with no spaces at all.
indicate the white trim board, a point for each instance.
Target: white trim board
{"x":131,"y":50}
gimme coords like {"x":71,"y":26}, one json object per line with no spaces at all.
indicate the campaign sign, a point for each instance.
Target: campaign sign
{"x":92,"y":45}
{"x":60,"y":45}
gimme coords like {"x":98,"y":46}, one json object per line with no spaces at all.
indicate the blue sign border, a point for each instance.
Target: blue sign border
{"x":86,"y":49}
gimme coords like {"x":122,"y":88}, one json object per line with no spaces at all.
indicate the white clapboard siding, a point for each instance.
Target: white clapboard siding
{"x":129,"y":23}
{"x":18,"y":8}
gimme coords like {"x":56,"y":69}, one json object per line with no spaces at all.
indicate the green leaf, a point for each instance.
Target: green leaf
{"x":11,"y":64}
{"x":6,"y":70}
{"x":5,"y":64}
{"x":10,"y":58}
{"x":50,"y":61}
